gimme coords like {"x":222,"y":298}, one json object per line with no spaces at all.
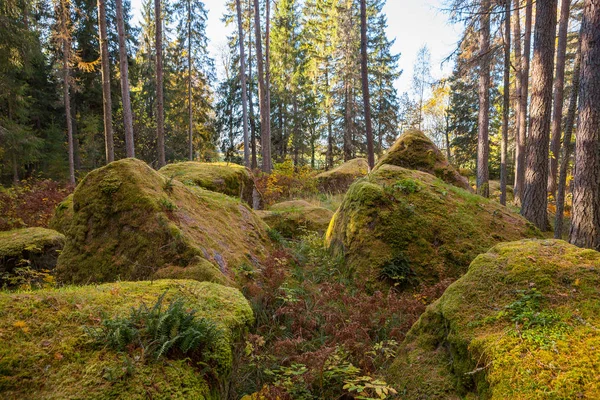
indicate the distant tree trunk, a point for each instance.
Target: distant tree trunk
{"x":15,"y":166}
{"x":268,"y":72}
{"x":160,"y":112}
{"x":567,"y":147}
{"x":329,"y":155}
{"x":518,"y":68}
{"x":535,"y":199}
{"x":448,"y":153}
{"x":262,"y":94}
{"x":243,"y":83}
{"x":522,"y":139}
{"x":106,"y":97}
{"x":559,"y":87}
{"x":189,"y":61}
{"x":66,"y":47}
{"x":124,"y":70}
{"x":365,"y":82}
{"x":254,"y":162}
{"x":506,"y":105}
{"x":484,"y":101}
{"x":585,"y":223}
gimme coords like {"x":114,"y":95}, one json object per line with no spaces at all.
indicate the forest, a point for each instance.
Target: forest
{"x":297,"y":213}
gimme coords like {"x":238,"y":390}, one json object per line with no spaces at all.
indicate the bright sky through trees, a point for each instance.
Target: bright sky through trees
{"x":412,"y":22}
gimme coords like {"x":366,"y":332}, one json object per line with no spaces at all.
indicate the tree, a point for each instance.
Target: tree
{"x":160,"y":112}
{"x":124,"y":72}
{"x":585,"y":223}
{"x":106,"y":96}
{"x":535,"y":200}
{"x":365,"y":82}
{"x":506,"y":104}
{"x":559,"y":87}
{"x":263,"y":97}
{"x":484,"y":101}
{"x":422,"y":78}
{"x":243,"y":83}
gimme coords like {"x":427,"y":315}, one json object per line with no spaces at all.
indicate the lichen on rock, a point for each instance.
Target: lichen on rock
{"x":228,"y":178}
{"x":36,"y":248}
{"x":408,"y":227}
{"x":338,"y":179}
{"x":414,"y":150}
{"x":521,"y":324}
{"x":46,"y":351}
{"x":295,"y":217}
{"x":129,"y":222}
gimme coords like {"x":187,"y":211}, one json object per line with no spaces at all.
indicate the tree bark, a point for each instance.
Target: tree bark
{"x":535,"y":199}
{"x":365,"y":82}
{"x":585,"y":223}
{"x":66,"y":47}
{"x":268,"y":72}
{"x":124,"y":69}
{"x":262,"y":94}
{"x":254,"y":162}
{"x":484,"y":102}
{"x":506,"y":105}
{"x":522,"y":139}
{"x":189,"y":61}
{"x":559,"y":87}
{"x":243,"y":83}
{"x":106,"y":97}
{"x":160,"y":112}
{"x":518,"y":69}
{"x":567,"y":147}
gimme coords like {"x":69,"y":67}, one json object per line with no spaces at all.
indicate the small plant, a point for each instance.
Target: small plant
{"x":398,"y":271}
{"x":168,"y":185}
{"x":407,"y":186}
{"x":368,"y":388}
{"x":160,"y":332}
{"x":27,"y":278}
{"x":167,"y":205}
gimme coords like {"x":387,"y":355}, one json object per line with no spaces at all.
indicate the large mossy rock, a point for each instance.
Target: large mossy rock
{"x":295,"y":217}
{"x":523,"y":323}
{"x":46,"y":351}
{"x":337,"y":180}
{"x":231,"y":179}
{"x":414,"y":150}
{"x":131,"y":223}
{"x":63,"y":215}
{"x":37,"y":248}
{"x":410,"y":227}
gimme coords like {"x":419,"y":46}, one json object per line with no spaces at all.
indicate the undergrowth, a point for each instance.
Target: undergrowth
{"x":321,"y":332}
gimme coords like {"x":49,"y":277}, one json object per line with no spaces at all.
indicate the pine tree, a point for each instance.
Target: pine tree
{"x":106,"y":94}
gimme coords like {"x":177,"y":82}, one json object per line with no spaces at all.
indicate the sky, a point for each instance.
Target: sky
{"x":413,"y":23}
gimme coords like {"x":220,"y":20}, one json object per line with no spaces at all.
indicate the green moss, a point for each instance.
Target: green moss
{"x":63,"y":215}
{"x":293,"y":218}
{"x":337,"y":180}
{"x":438,"y":227}
{"x":414,"y":150}
{"x":37,"y":248}
{"x":130,"y":221}
{"x":228,"y":178}
{"x":45,"y":351}
{"x":521,"y":324}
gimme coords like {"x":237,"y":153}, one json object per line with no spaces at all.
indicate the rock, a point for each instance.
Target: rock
{"x":129,"y":222}
{"x":293,"y":218}
{"x":63,"y":215}
{"x":337,"y":180}
{"x":408,"y":227}
{"x":231,"y":179}
{"x":47,"y":351}
{"x":37,"y":248}
{"x":523,"y":323}
{"x":414,"y":150}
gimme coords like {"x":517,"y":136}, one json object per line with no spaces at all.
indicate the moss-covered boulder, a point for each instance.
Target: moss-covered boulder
{"x":293,"y":218}
{"x":47,"y":351}
{"x":231,"y":179}
{"x":523,"y":323}
{"x":337,"y":180}
{"x":410,"y":227}
{"x":130,"y":222}
{"x":63,"y":215}
{"x":414,"y":150}
{"x":37,"y":248}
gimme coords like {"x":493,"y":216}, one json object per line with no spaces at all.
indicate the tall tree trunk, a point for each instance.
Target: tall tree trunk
{"x":268,"y":71}
{"x":483,"y":149}
{"x":189,"y":61}
{"x":506,"y":105}
{"x":124,"y":70}
{"x":585,"y":223}
{"x":254,"y":162}
{"x":522,"y":140}
{"x":567,"y":147}
{"x":243,"y":83}
{"x":66,"y":47}
{"x":329,"y":155}
{"x":518,"y":69}
{"x":535,"y":199}
{"x":262,"y":94}
{"x":106,"y":98}
{"x":365,"y":82}
{"x":559,"y":87}
{"x":15,"y":166}
{"x":160,"y":112}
